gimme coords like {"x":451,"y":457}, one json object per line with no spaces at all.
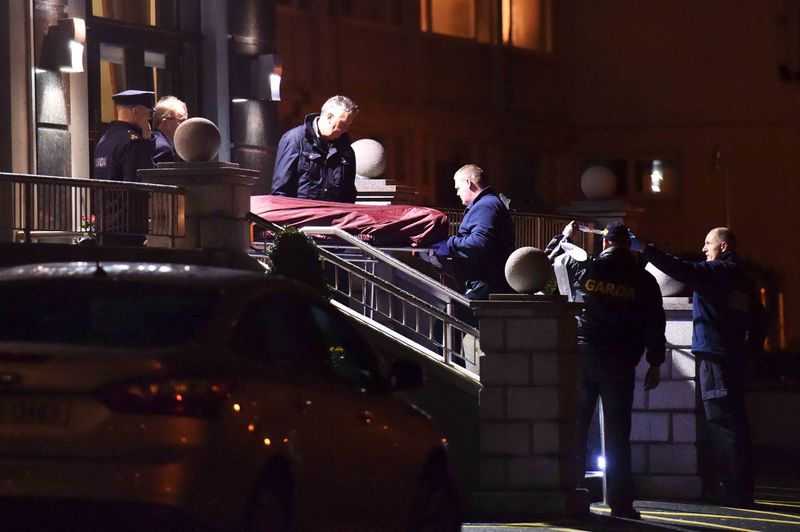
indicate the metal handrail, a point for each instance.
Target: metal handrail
{"x":451,"y":339}
{"x":49,"y":206}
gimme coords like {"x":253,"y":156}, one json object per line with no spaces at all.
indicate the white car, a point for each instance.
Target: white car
{"x":207,"y":397}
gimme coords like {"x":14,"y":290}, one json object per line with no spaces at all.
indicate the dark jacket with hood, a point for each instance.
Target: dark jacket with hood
{"x":310,"y":168}
{"x":623,"y":310}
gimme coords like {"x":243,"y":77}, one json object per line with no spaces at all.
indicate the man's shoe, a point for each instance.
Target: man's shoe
{"x":628,"y":512}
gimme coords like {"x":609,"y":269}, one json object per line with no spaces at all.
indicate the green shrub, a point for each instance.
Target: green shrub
{"x":294,"y":255}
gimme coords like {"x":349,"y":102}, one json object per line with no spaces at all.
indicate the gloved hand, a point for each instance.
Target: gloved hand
{"x":569,"y":228}
{"x":440,"y":249}
{"x":637,"y":244}
{"x":652,"y":378}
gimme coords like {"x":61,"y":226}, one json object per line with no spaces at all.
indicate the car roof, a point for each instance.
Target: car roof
{"x":148,"y":272}
{"x":18,"y":254}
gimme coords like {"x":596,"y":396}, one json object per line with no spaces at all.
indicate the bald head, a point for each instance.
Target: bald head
{"x":719,"y":240}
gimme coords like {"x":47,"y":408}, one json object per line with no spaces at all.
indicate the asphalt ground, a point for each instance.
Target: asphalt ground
{"x":777,"y":509}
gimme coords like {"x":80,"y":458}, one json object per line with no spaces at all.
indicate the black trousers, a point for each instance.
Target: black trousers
{"x":606,"y":373}
{"x":728,"y":430}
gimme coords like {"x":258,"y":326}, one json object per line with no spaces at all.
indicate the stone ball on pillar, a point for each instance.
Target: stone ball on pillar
{"x":668,"y":285}
{"x":598,"y":182}
{"x":528,"y":270}
{"x":197,"y":140}
{"x":370,"y":158}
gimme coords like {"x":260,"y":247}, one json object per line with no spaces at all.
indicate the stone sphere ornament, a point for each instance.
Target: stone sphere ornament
{"x":197,"y":140}
{"x":668,"y":285}
{"x":598,"y":182}
{"x":528,"y":270}
{"x":370,"y":158}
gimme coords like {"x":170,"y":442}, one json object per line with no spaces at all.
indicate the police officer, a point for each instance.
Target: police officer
{"x":623,"y":315}
{"x":315,"y":160}
{"x":125,"y":147}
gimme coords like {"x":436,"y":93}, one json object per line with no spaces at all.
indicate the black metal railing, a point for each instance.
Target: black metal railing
{"x":33,"y":207}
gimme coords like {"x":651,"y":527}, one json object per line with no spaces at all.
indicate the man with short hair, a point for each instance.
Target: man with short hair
{"x":315,"y":160}
{"x":170,"y":112}
{"x":622,"y":316}
{"x":485,"y":237}
{"x":730,"y":325}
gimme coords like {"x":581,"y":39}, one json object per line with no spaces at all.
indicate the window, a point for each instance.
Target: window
{"x":112,"y":313}
{"x":518,"y":23}
{"x":160,"y":13}
{"x":526,"y":24}
{"x":387,"y":12}
{"x":350,"y":358}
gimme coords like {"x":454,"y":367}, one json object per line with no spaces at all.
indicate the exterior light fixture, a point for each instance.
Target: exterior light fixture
{"x":63,"y":46}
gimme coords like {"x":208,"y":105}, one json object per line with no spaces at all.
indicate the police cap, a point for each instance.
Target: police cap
{"x":617,"y":232}
{"x":134,"y":97}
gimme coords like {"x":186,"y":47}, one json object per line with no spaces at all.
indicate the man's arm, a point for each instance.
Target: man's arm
{"x":687,"y":272}
{"x":654,"y":327}
{"x":137,"y":154}
{"x":284,"y":177}
{"x":482,"y":233}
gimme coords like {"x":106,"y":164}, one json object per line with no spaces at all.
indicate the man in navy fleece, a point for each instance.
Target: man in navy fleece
{"x":485,"y":237}
{"x":730,"y":325}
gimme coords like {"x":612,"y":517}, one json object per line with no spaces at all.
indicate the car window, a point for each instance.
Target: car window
{"x":279,"y":330}
{"x":348,"y":355}
{"x":114,"y":314}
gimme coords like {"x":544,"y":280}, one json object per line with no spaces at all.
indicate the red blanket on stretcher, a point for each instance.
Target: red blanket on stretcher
{"x":380,"y":225}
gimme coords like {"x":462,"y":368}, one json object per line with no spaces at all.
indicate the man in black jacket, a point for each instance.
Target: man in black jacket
{"x":623,"y":315}
{"x":315,"y":160}
{"x":730,"y":325}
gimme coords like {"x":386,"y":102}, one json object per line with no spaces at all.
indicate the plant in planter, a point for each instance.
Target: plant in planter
{"x":294,"y":255}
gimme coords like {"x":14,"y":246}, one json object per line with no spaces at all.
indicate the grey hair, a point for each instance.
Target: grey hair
{"x":340,"y":102}
{"x":167,"y":107}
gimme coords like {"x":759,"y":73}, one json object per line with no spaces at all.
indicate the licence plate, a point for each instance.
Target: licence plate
{"x":34,"y":411}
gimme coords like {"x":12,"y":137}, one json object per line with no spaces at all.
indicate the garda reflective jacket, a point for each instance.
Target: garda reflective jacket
{"x":623,"y":308}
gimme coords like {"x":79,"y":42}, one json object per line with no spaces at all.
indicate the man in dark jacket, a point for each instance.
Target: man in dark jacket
{"x":730,"y":325}
{"x":170,"y":112}
{"x":485,"y":237}
{"x":125,"y":147}
{"x":314,"y":160}
{"x":623,"y":315}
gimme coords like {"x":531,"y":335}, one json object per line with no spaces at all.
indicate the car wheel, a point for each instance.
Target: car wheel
{"x":438,"y":508}
{"x":270,"y":506}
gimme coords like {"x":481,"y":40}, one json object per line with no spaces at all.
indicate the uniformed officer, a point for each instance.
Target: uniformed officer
{"x":622,"y":315}
{"x":125,"y":147}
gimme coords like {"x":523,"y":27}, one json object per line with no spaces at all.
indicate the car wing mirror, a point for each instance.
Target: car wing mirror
{"x":405,"y":375}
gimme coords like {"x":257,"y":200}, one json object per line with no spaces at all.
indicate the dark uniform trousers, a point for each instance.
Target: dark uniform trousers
{"x":608,"y":373}
{"x":728,"y":429}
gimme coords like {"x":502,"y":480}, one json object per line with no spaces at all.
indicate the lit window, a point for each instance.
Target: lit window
{"x":449,"y":17}
{"x":526,"y":24}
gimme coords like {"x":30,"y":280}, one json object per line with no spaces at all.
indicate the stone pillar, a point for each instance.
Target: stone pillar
{"x":664,"y":425}
{"x":527,"y":409}
{"x":216,"y":202}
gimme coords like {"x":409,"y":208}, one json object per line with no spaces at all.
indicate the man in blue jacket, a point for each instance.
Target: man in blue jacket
{"x":623,"y":315}
{"x":485,"y":237}
{"x":730,"y":325}
{"x":315,"y":160}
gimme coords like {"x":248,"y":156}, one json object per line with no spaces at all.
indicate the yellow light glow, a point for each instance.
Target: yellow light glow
{"x":251,"y":427}
{"x":267,"y":442}
{"x":236,"y":407}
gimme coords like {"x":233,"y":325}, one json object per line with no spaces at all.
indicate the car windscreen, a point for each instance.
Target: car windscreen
{"x":103,"y":313}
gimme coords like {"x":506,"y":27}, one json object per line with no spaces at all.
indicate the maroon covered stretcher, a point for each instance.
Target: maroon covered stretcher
{"x":380,"y":225}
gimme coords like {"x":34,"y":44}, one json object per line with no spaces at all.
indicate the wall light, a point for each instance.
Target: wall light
{"x":63,"y":46}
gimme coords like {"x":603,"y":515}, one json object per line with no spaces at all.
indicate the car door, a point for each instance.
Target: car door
{"x":382,"y":456}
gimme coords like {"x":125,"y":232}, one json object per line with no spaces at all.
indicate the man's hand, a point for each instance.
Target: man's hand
{"x":652,"y":377}
{"x":440,"y":249}
{"x":569,"y":228}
